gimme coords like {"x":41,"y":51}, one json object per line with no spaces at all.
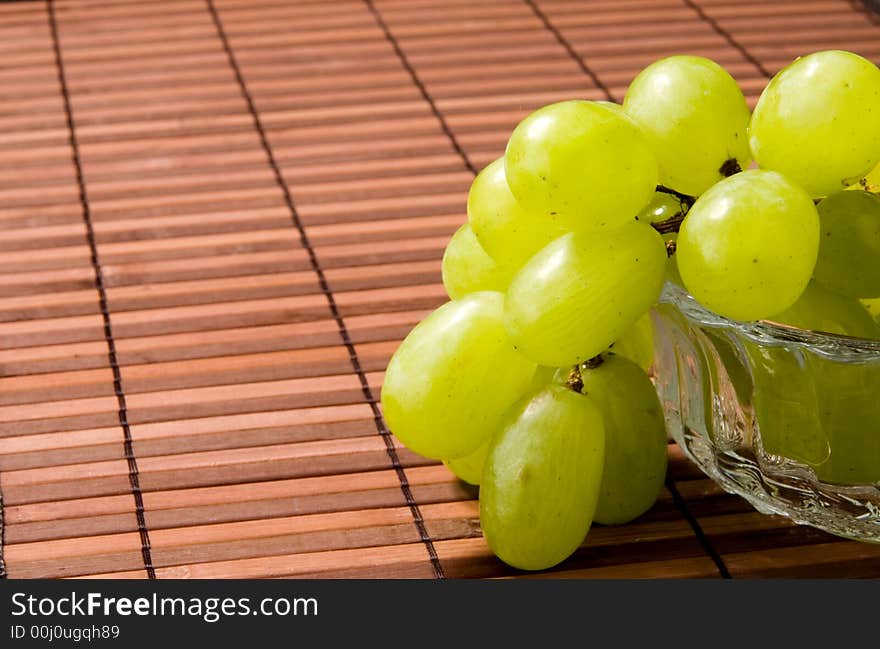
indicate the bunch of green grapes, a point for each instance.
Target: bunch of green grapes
{"x":532,"y":382}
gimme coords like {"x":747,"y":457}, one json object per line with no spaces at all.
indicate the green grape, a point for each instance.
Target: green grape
{"x":849,"y":248}
{"x":696,"y":118}
{"x":470,"y":467}
{"x":663,"y":207}
{"x":466,"y":267}
{"x":818,"y":309}
{"x":581,"y":166}
{"x":582,"y":292}
{"x":509,"y":233}
{"x":748,"y":246}
{"x":786,"y":404}
{"x":803,"y":402}
{"x":846,"y":407}
{"x":541,"y":480}
{"x":635,"y":439}
{"x":817,"y":121}
{"x":637,"y":343}
{"x":849,"y":410}
{"x":450,"y":382}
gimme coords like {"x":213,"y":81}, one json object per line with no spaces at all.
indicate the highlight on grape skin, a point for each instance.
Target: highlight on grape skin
{"x":452,"y":379}
{"x":748,"y":246}
{"x":467,"y":268}
{"x":817,"y":121}
{"x":635,"y":438}
{"x":696,"y":117}
{"x":540,"y":484}
{"x":580,"y":293}
{"x":534,"y":384}
{"x":580,"y":165}
{"x":507,"y":231}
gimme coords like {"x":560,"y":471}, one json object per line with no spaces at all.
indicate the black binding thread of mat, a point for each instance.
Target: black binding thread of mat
{"x":133,"y":475}
{"x":421,"y":86}
{"x":726,"y":35}
{"x":572,"y":53}
{"x":331,"y":301}
{"x":870,"y":9}
{"x":680,"y":502}
{"x":707,"y":546}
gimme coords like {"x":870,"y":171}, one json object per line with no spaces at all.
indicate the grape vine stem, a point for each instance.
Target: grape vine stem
{"x":673,"y":223}
{"x":575,"y":381}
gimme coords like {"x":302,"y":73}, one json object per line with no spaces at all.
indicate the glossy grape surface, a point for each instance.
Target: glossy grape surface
{"x":541,"y":481}
{"x":748,"y":246}
{"x":508,"y":232}
{"x":466,"y":268}
{"x":582,"y":292}
{"x":451,"y":381}
{"x":817,"y":121}
{"x":849,"y":248}
{"x":581,"y":166}
{"x":635,"y":439}
{"x":695,"y":117}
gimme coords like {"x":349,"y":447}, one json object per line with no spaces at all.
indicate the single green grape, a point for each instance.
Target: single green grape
{"x":819,"y":309}
{"x":449,"y":384}
{"x":470,"y":467}
{"x":582,"y":292}
{"x":846,"y":393}
{"x":541,"y":480}
{"x":635,"y":438}
{"x":849,"y":248}
{"x":849,"y":411}
{"x":696,"y":118}
{"x":581,"y":166}
{"x":817,"y":121}
{"x":808,"y":407}
{"x":748,"y":246}
{"x":466,"y":268}
{"x":663,"y":207}
{"x":786,"y":404}
{"x":505,"y":230}
{"x":637,"y":343}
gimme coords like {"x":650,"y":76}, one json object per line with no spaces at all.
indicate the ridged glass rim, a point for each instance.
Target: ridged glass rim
{"x":835,"y":347}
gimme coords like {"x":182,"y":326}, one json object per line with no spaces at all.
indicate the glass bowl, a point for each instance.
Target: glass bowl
{"x":786,"y":418}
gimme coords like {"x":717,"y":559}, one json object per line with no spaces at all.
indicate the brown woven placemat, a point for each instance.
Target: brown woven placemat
{"x":218,"y":219}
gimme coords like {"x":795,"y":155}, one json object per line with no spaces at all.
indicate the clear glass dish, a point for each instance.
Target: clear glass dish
{"x":789,"y":419}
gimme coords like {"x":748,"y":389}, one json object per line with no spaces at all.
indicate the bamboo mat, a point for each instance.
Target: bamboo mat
{"x":220,"y":217}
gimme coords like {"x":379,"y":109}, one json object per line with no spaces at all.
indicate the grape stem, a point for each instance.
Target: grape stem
{"x":575,"y":381}
{"x":730,"y":167}
{"x":673,"y":223}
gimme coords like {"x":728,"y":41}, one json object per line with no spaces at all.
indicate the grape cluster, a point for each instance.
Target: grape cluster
{"x":532,"y":381}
